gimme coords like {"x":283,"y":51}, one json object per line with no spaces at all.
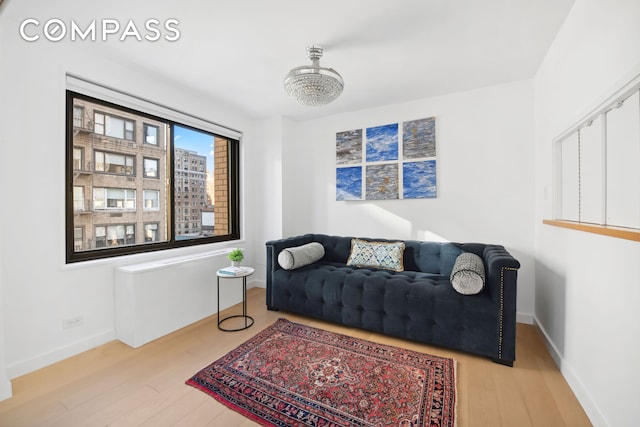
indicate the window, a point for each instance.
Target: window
{"x":114,"y":199}
{"x":78,"y":198}
{"x":150,"y":134}
{"x":115,"y":235}
{"x":123,"y":214}
{"x":78,"y":114}
{"x":78,"y":238}
{"x":151,"y":232}
{"x":121,"y":164}
{"x":151,"y":200}
{"x":597,"y":180}
{"x":78,"y":158}
{"x":114,"y":126}
{"x":150,"y":168}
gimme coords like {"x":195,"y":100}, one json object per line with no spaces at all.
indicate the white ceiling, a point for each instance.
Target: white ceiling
{"x":238,"y":52}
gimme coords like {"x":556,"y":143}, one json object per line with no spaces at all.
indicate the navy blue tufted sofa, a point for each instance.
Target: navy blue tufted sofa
{"x":417,"y":304}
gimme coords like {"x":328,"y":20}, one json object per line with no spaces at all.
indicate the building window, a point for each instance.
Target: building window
{"x":121,"y":164}
{"x":150,"y":167}
{"x":124,"y":215}
{"x":78,"y":158}
{"x":78,"y":115}
{"x":150,"y":134}
{"x":151,"y":233}
{"x":78,"y":198}
{"x":151,"y":200}
{"x":114,"y":199}
{"x":78,"y":238}
{"x":114,"y":126}
{"x":115,"y":235}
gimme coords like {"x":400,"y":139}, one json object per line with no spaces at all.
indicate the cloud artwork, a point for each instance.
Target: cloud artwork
{"x":419,"y":180}
{"x":349,"y":147}
{"x":419,"y":138}
{"x":393,"y":161}
{"x":382,"y":182}
{"x":382,"y":143}
{"x":349,"y":183}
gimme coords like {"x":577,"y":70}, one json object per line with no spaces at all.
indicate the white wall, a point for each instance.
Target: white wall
{"x":5,"y":385}
{"x":39,"y":291}
{"x":587,"y":293}
{"x":485,"y":177}
{"x":265,"y":174}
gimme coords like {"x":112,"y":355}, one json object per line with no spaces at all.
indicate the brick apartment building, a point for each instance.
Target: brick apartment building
{"x":192,"y":198}
{"x":119,"y":177}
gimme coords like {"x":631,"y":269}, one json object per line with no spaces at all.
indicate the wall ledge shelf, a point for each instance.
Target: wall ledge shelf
{"x":617,"y":232}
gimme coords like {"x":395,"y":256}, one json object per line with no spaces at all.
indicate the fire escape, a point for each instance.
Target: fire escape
{"x":82,"y":168}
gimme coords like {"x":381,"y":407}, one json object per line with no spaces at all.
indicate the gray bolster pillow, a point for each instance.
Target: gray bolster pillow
{"x":299,"y":256}
{"x":467,"y":276}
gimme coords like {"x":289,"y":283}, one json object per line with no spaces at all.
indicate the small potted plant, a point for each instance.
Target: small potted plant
{"x":235,"y":256}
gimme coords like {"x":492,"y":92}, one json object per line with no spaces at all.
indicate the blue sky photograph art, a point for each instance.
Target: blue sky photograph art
{"x":419,"y":180}
{"x":349,"y":183}
{"x":382,"y":143}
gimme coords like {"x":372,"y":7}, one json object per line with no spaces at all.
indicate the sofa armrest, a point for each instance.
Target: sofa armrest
{"x":501,"y":269}
{"x":274,"y":247}
{"x":501,"y":280}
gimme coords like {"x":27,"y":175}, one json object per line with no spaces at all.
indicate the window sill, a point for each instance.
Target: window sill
{"x":617,"y":232}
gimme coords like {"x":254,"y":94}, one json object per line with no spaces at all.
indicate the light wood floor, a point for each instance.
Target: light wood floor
{"x":115,"y":385}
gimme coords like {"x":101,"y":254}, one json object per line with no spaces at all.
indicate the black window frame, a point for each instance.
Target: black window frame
{"x":234,"y":196}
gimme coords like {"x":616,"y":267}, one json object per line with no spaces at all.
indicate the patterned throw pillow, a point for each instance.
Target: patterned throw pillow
{"x":386,"y":255}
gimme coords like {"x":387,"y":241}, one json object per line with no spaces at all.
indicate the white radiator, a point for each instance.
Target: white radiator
{"x":156,"y":298}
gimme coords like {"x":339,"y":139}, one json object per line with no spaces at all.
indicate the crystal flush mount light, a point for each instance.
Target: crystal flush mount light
{"x":312,"y":84}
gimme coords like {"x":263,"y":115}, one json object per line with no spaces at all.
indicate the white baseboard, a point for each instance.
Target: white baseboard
{"x":5,"y":389}
{"x":524,"y":318}
{"x":257,"y":284}
{"x":575,"y":383}
{"x":23,"y":367}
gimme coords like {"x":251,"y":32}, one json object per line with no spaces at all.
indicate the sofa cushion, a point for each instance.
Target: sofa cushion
{"x":409,"y":304}
{"x":385,"y":255}
{"x":299,"y":256}
{"x":431,"y":257}
{"x":467,"y":275}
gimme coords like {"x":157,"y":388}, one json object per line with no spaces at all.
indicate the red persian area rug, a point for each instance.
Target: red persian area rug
{"x":295,"y":375}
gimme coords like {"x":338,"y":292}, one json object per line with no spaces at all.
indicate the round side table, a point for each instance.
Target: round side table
{"x":242,"y":273}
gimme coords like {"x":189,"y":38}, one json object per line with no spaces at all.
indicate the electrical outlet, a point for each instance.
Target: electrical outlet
{"x":73,"y":322}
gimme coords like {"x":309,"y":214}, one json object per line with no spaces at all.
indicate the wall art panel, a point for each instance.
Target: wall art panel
{"x":387,"y":162}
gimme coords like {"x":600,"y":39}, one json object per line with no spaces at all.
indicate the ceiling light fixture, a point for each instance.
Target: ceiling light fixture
{"x":312,"y":84}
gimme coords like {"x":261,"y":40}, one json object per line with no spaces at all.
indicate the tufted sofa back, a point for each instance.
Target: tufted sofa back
{"x":427,"y":257}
